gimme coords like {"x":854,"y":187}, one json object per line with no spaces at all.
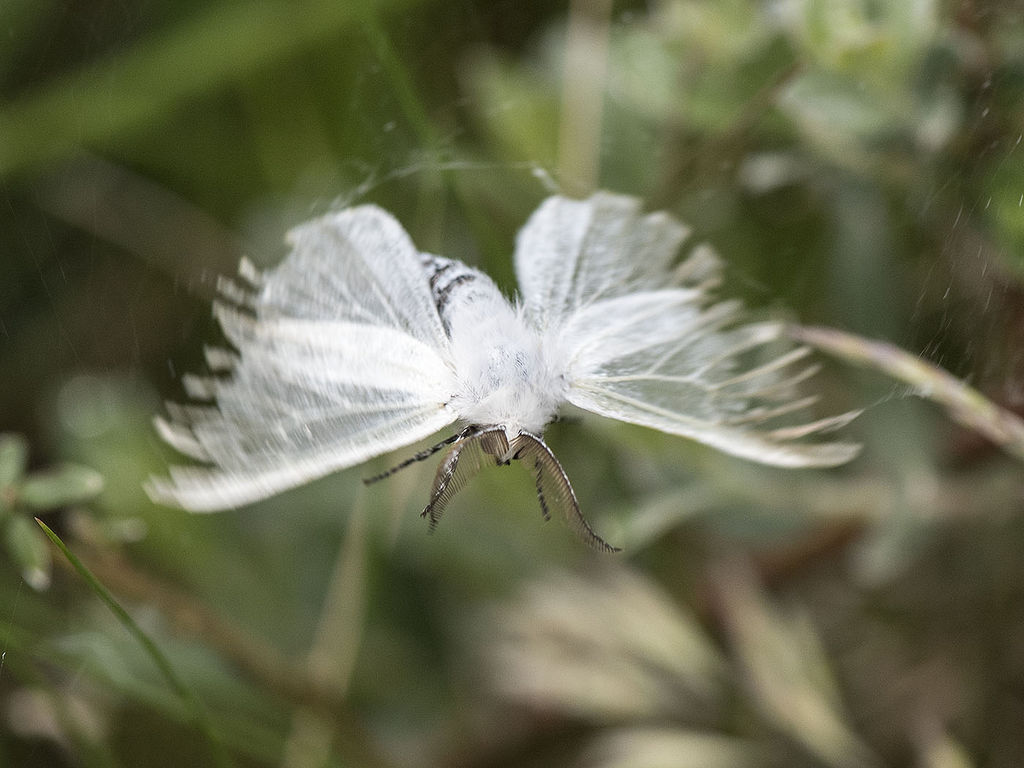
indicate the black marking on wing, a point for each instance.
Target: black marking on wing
{"x":436,"y":271}
{"x":445,"y":277}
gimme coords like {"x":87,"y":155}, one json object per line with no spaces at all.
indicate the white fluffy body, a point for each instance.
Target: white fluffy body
{"x":357,"y":344}
{"x":507,"y":375}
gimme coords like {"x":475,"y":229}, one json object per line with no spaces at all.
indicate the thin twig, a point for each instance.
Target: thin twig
{"x":965,"y":404}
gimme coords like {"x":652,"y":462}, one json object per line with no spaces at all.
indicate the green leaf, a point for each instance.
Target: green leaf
{"x":13,"y":457}
{"x":70,"y":484}
{"x":944,"y":752}
{"x":836,"y":107}
{"x":787,"y":671}
{"x":1004,"y":209}
{"x":603,"y":649}
{"x":642,"y":747}
{"x":29,"y":550}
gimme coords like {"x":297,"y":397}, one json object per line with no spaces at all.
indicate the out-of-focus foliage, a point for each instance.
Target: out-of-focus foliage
{"x":856,"y":164}
{"x":24,"y":495}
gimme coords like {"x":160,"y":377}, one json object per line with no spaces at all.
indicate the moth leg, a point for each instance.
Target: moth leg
{"x":426,"y":453}
{"x":561,"y":419}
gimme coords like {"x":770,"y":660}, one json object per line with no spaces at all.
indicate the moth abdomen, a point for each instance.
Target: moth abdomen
{"x":453,"y":285}
{"x":446,"y":277}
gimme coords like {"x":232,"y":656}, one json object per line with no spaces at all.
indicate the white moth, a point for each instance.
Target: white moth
{"x":358,"y":344}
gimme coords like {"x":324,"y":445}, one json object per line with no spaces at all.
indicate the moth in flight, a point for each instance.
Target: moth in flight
{"x":358,"y":344}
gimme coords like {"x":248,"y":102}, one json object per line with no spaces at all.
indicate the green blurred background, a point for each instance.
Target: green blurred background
{"x":857,"y":164}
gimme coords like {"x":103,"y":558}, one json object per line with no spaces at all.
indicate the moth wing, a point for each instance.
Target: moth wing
{"x":359,"y":266}
{"x":572,"y":253}
{"x":666,"y":360}
{"x":339,"y":356}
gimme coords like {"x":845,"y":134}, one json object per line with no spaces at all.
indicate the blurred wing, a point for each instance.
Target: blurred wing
{"x":357,"y":265}
{"x":345,"y":359}
{"x":663,"y":360}
{"x":572,"y":253}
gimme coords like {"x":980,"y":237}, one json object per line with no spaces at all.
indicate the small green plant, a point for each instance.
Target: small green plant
{"x":25,"y":495}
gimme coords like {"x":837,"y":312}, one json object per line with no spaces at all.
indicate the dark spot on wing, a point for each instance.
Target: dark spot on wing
{"x":446,"y":277}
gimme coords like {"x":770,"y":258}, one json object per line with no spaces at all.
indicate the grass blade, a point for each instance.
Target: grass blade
{"x":193,"y":705}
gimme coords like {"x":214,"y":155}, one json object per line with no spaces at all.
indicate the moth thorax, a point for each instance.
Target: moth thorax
{"x":500,"y":364}
{"x":505,"y":380}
